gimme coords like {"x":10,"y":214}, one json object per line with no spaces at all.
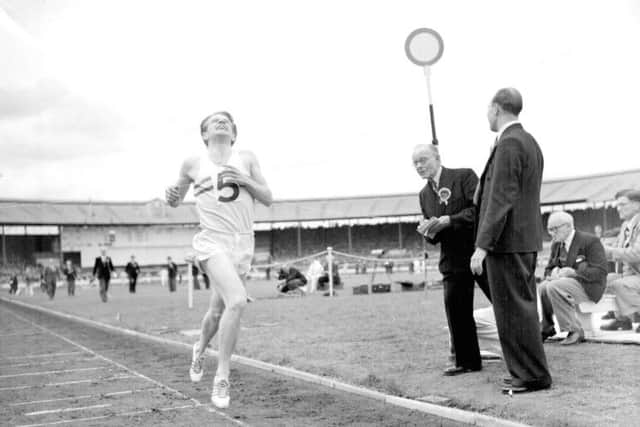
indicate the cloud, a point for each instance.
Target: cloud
{"x":30,"y":101}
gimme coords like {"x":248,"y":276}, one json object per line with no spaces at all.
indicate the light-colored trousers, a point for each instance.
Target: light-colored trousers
{"x":627,"y":292}
{"x":487,"y":330}
{"x":565,"y":294}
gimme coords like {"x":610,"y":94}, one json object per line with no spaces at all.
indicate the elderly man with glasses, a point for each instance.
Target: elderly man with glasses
{"x":576,"y":272}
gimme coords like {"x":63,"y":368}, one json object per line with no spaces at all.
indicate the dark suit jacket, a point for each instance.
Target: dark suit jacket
{"x":133,"y":269}
{"x":586,"y":256}
{"x":457,"y":240}
{"x":103,"y":270}
{"x":509,"y":206}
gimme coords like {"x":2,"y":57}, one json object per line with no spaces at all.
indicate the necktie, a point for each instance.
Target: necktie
{"x":562,"y":255}
{"x":434,"y":186}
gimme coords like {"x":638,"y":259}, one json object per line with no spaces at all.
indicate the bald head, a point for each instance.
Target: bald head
{"x":509,"y":100}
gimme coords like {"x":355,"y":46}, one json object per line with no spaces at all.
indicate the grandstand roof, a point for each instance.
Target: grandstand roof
{"x":585,"y":189}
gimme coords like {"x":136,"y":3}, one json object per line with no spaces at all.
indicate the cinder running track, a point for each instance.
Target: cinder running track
{"x":55,"y":371}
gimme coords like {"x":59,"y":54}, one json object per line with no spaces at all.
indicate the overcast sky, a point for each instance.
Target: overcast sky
{"x":103,"y":99}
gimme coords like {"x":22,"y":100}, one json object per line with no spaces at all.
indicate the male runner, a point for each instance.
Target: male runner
{"x":226,"y":184}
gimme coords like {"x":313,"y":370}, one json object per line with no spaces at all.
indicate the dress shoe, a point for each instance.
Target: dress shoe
{"x":515,"y":389}
{"x":548,"y":333}
{"x":622,"y":325}
{"x":574,"y":337}
{"x":457,"y":370}
{"x":609,"y":316}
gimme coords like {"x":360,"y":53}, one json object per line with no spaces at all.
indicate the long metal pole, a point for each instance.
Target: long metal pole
{"x":427,"y":75}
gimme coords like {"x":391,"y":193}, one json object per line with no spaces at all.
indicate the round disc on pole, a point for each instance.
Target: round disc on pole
{"x":424,"y":46}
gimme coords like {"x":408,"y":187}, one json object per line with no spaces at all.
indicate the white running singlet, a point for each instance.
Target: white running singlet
{"x":223,"y":207}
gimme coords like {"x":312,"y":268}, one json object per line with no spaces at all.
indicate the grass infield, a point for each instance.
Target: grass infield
{"x":395,"y":342}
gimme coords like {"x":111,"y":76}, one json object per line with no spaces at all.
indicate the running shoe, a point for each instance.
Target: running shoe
{"x":220,"y":393}
{"x":196,"y":371}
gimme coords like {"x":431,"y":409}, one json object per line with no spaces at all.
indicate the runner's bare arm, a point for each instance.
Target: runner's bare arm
{"x":174,"y":194}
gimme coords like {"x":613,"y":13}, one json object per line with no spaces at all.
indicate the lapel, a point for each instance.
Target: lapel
{"x":445,"y":181}
{"x":572,"y":254}
{"x":480,"y":187}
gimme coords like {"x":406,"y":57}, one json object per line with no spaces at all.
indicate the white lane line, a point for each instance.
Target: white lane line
{"x":122,"y":414}
{"x":62,"y":371}
{"x":121,"y":366}
{"x":48,"y":362}
{"x":95,"y":380}
{"x":86,"y":396}
{"x":21,"y":334}
{"x":31,"y":356}
{"x":57,"y":411}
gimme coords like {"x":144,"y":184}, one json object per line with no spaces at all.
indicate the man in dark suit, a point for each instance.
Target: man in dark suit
{"x":102,"y":269}
{"x":132,"y":269}
{"x":576,"y":272}
{"x":447,"y":205}
{"x":508,"y":240}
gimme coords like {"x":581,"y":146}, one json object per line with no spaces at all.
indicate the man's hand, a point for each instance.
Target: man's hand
{"x":425,"y":224}
{"x":233,"y":175}
{"x":172,"y":195}
{"x":476,"y":261}
{"x":567,"y":272}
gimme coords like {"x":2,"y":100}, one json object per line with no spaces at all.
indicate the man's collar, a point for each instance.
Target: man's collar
{"x":436,"y":178}
{"x":504,"y":127}
{"x":569,"y":239}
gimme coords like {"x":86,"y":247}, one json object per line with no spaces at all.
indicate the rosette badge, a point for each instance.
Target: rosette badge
{"x":444,"y":194}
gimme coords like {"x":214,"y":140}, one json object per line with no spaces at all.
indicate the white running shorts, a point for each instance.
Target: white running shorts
{"x":237,"y":246}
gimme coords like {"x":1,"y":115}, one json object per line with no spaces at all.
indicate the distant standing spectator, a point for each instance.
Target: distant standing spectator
{"x":132,"y":269}
{"x":194,"y":273}
{"x":30,"y":276}
{"x":50,"y":278}
{"x":71,"y":275}
{"x":206,"y":280}
{"x":102,"y":269}
{"x":13,"y":284}
{"x":172,"y":269}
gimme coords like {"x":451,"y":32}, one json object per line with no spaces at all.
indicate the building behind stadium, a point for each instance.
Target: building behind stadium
{"x":33,"y":230}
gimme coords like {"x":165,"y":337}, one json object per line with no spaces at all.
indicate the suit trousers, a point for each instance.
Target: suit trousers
{"x":458,"y":304}
{"x":627,"y":292}
{"x":560,"y":297}
{"x":132,"y":284}
{"x":71,"y":287}
{"x":104,"y":288}
{"x":513,"y":292}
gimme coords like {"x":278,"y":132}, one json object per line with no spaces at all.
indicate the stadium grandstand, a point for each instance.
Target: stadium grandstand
{"x":77,"y":230}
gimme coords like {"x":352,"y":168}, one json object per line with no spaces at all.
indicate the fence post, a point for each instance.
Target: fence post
{"x":330,"y":264}
{"x":190,"y":284}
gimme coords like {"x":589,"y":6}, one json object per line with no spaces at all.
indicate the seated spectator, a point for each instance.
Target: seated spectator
{"x":292,"y":280}
{"x":324,"y":277}
{"x":576,"y":272}
{"x":626,"y":284}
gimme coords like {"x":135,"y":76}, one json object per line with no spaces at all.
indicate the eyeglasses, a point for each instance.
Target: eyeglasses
{"x":555,"y":228}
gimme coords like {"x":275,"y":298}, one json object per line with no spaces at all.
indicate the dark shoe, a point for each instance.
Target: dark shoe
{"x":507,"y":381}
{"x":548,"y":333}
{"x":457,"y":370}
{"x":615,"y":325}
{"x":609,"y":316}
{"x":574,"y":337}
{"x":515,"y":389}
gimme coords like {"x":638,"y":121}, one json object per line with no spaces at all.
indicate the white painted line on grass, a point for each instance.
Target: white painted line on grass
{"x":461,"y":415}
{"x":20,"y":334}
{"x":121,"y":366}
{"x":86,"y":396}
{"x":32,"y":356}
{"x":102,"y":417}
{"x":57,"y":411}
{"x":95,"y":380}
{"x":62,"y":371}
{"x":47,"y":362}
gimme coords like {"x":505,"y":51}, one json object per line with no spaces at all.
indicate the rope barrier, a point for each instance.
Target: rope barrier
{"x":346,"y":255}
{"x":293,"y":261}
